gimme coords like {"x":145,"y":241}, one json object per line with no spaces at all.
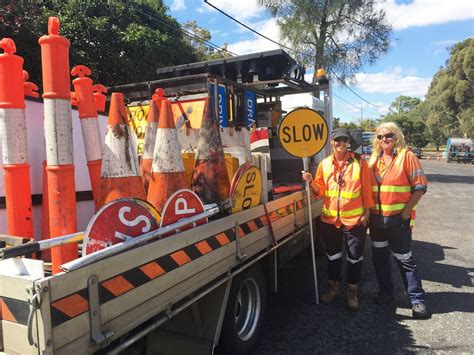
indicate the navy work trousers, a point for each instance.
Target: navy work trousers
{"x":398,"y":240}
{"x":354,"y":240}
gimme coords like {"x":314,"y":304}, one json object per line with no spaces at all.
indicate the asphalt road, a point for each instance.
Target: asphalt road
{"x":444,"y":250}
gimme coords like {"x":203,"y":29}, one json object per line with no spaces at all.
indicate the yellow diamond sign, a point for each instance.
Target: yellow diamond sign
{"x":303,"y":132}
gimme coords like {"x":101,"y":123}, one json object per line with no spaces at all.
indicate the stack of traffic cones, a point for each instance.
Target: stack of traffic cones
{"x":210,"y":179}
{"x":149,"y":143}
{"x":120,"y":176}
{"x":168,"y":169}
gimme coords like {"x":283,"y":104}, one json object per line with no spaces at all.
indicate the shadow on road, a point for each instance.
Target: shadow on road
{"x":457,"y":179}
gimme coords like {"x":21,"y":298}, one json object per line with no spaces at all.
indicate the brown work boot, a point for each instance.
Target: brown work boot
{"x":352,"y":301}
{"x":332,"y":293}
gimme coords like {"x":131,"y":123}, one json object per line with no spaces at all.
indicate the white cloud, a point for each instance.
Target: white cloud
{"x":241,"y":9}
{"x":178,"y":5}
{"x":427,"y":12}
{"x":395,"y":81}
{"x":268,"y":28}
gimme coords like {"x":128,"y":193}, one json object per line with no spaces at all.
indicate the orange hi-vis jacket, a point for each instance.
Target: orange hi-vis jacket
{"x":346,"y":190}
{"x":393,"y":185}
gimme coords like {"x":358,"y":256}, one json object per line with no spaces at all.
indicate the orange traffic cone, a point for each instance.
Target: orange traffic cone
{"x":210,"y":179}
{"x":120,"y":175}
{"x":149,"y":143}
{"x":168,"y":169}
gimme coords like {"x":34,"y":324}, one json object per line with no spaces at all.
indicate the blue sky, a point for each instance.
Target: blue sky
{"x":423,"y":32}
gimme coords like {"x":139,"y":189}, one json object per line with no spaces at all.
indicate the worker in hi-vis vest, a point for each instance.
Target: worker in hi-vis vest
{"x":398,"y":183}
{"x":343,"y":181}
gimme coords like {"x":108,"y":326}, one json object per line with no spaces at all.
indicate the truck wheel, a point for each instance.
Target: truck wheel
{"x":244,"y":314}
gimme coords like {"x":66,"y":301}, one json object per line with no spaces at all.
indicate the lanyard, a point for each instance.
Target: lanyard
{"x":339,"y":175}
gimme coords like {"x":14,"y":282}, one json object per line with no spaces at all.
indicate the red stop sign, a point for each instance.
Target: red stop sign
{"x":183,"y":203}
{"x":117,"y":221}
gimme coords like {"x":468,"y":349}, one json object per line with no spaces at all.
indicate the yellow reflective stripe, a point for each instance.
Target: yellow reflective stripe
{"x":391,"y":188}
{"x":356,"y":170}
{"x":391,"y":208}
{"x":344,"y":194}
{"x":350,"y":213}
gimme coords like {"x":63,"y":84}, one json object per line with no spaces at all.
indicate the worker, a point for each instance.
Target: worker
{"x":398,"y":183}
{"x":343,"y":181}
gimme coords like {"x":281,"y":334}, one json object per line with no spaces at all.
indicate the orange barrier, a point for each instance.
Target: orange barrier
{"x":210,"y":180}
{"x":149,"y":143}
{"x":120,"y":176}
{"x":58,"y":137}
{"x":100,"y":98}
{"x":168,"y":169}
{"x":14,"y":142}
{"x":86,"y":104}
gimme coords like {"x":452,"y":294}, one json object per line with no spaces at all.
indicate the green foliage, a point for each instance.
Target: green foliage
{"x":122,"y":41}
{"x":340,"y":36}
{"x":203,"y":51}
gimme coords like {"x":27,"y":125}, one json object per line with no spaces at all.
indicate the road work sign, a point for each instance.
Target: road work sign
{"x":303,"y":132}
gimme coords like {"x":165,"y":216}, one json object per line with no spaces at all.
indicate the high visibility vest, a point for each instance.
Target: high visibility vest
{"x":391,"y":192}
{"x":342,"y":203}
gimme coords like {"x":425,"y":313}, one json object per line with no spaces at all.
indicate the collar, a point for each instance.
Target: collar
{"x":394,"y":153}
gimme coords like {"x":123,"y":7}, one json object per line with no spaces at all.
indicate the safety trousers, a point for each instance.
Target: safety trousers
{"x":398,"y":240}
{"x":354,"y":240}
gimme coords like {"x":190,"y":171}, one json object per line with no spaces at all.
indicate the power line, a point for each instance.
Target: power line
{"x":291,"y":49}
{"x":355,"y":106}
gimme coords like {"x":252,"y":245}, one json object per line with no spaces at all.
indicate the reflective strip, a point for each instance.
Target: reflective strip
{"x":150,"y":139}
{"x":403,"y":257}
{"x":344,"y":194}
{"x":353,"y":261}
{"x":412,"y":222}
{"x":350,"y":213}
{"x":390,"y":208}
{"x":13,"y":136}
{"x":58,"y":132}
{"x":418,"y":172}
{"x":120,"y":154}
{"x":92,"y":139}
{"x":356,"y":170}
{"x":380,"y":244}
{"x":392,"y":188}
{"x":167,"y":157}
{"x":335,"y":256}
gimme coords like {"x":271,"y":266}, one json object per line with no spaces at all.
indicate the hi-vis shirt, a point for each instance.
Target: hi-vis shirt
{"x":393,"y":186}
{"x":345,"y":189}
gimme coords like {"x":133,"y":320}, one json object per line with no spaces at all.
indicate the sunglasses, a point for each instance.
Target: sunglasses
{"x":388,"y":135}
{"x":341,"y":139}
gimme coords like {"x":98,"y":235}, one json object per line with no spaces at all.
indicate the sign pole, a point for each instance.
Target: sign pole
{"x":310,"y":218}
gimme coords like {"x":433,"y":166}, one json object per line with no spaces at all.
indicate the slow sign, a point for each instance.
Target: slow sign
{"x":246,"y":188}
{"x":118,"y":221}
{"x":303,"y":132}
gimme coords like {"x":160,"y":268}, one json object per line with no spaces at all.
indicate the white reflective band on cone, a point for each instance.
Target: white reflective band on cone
{"x":58,"y":132}
{"x":380,"y":244}
{"x":150,"y":139}
{"x":13,"y":136}
{"x":167,"y":156}
{"x":335,"y":256}
{"x":353,"y":261}
{"x":403,"y":256}
{"x":120,"y":157}
{"x":92,"y":138}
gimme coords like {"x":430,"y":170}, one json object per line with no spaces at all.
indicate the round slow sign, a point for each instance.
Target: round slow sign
{"x":117,"y":221}
{"x":247,"y":190}
{"x":303,"y":132}
{"x":183,"y":203}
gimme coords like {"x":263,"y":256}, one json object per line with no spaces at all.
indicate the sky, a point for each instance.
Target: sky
{"x":423,"y":32}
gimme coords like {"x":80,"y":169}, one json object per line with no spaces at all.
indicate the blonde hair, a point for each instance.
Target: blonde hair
{"x":392,"y":127}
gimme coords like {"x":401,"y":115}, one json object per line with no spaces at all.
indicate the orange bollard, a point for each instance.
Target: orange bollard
{"x":168,"y":169}
{"x":14,"y":142}
{"x":149,"y":143}
{"x":90,"y":126}
{"x":210,"y":179}
{"x":58,"y":137}
{"x":100,"y":98}
{"x":120,"y":176}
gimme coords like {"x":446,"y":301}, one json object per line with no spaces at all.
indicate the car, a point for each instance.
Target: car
{"x":417,"y":151}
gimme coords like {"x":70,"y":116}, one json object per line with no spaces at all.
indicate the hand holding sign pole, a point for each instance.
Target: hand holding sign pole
{"x":303,"y":133}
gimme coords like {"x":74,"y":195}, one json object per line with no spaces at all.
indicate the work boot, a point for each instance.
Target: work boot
{"x":420,"y":311}
{"x":332,"y":293}
{"x":351,"y":298}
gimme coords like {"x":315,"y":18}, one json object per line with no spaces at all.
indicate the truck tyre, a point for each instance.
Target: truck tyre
{"x":244,"y":313}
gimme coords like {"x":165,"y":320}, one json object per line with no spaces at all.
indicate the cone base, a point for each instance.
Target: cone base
{"x":210,"y":181}
{"x":115,"y":188}
{"x":162,"y":186}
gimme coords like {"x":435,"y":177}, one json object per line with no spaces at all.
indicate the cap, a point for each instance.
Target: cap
{"x":339,"y":132}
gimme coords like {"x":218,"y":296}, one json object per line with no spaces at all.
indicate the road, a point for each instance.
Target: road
{"x":444,"y":250}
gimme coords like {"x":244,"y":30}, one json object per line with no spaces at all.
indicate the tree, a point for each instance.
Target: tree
{"x":340,"y":36}
{"x":122,"y":41}
{"x":197,"y":41}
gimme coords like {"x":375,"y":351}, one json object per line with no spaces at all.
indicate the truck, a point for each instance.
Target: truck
{"x":200,"y":288}
{"x":460,"y":150}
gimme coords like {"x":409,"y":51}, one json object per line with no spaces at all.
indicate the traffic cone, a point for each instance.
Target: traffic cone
{"x":210,"y":179}
{"x":14,"y":142}
{"x":90,"y":126}
{"x":58,"y":137}
{"x":168,"y":169}
{"x":149,"y":143}
{"x":120,"y":176}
